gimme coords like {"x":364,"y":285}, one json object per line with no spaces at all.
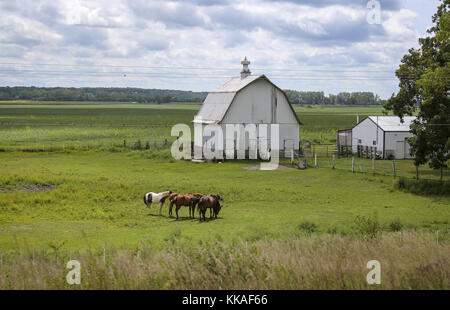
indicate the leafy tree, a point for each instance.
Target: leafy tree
{"x":424,"y":76}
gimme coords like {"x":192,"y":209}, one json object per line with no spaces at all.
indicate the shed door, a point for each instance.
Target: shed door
{"x":400,"y":150}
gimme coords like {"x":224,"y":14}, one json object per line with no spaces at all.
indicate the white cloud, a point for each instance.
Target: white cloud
{"x":330,"y":34}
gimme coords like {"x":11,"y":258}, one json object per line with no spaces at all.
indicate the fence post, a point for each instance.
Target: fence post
{"x":417,"y":172}
{"x":393,"y":168}
{"x":327,"y":150}
{"x":333,"y":161}
{"x":315,"y":160}
{"x":353,"y":164}
{"x":104,"y":255}
{"x":373,"y":165}
{"x":292,"y":157}
{"x":124,"y":143}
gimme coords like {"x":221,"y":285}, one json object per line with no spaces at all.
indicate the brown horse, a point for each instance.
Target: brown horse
{"x":212,"y":202}
{"x":188,"y":200}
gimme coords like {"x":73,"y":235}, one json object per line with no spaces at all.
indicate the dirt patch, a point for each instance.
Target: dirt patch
{"x":280,"y":167}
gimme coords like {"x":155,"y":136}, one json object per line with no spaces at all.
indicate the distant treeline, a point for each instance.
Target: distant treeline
{"x":100,"y":94}
{"x":319,"y":98}
{"x":167,"y":95}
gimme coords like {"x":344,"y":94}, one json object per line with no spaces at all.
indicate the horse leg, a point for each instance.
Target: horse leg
{"x":176,"y":210}
{"x":160,"y":207}
{"x":193,"y":210}
{"x":170,"y":208}
{"x":149,"y":203}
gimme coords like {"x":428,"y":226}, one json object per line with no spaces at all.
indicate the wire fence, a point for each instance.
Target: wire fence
{"x":394,"y":168}
{"x":117,"y":144}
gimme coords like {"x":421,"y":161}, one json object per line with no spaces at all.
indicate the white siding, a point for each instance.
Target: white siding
{"x":366,"y":132}
{"x":251,"y":105}
{"x":391,"y":146}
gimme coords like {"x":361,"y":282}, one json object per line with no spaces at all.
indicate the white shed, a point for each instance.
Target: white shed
{"x":251,"y":99}
{"x":385,"y":133}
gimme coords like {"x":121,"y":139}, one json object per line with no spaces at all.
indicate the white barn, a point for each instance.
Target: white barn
{"x":251,"y":99}
{"x":385,"y":133}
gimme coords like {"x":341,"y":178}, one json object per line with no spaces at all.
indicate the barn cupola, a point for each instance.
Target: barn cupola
{"x":245,"y":70}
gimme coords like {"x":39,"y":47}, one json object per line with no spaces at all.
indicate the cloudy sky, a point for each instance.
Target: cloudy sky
{"x":320,"y":45}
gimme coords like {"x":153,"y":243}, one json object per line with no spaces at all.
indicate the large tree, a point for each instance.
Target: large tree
{"x":424,"y":75}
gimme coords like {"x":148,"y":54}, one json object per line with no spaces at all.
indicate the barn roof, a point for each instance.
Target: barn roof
{"x":393,"y":123}
{"x":219,"y":100}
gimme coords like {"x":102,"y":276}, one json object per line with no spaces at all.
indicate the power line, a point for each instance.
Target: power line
{"x":187,"y":74}
{"x":202,"y":75}
{"x":190,"y":68}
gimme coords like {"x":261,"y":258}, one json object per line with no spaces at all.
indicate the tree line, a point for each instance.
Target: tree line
{"x":100,"y":94}
{"x":141,"y":95}
{"x":343,"y":98}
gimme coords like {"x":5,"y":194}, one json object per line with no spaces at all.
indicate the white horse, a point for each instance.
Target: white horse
{"x":156,"y":198}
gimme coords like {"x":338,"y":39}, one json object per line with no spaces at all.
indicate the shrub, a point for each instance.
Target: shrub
{"x":423,"y":187}
{"x":396,"y":225}
{"x":307,"y":227}
{"x":367,"y":226}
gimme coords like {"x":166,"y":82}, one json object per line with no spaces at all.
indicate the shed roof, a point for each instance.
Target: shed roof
{"x":219,"y":100}
{"x":393,"y":123}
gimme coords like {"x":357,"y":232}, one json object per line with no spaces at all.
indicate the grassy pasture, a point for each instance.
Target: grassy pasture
{"x":61,"y":203}
{"x":97,"y":199}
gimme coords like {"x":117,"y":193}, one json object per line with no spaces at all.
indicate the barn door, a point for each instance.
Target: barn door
{"x":274,"y":104}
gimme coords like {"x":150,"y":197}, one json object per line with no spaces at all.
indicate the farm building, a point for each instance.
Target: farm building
{"x":385,"y":136}
{"x":251,"y":99}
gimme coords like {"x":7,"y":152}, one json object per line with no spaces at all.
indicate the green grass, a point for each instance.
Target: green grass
{"x":97,"y":200}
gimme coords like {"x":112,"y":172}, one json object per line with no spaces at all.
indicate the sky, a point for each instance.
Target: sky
{"x":306,"y":45}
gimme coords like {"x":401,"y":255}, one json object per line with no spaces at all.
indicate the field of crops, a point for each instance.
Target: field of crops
{"x":66,"y":126}
{"x":60,"y":202}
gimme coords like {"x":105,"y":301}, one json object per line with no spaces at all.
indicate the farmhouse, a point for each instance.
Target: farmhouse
{"x":251,"y":99}
{"x":385,"y":136}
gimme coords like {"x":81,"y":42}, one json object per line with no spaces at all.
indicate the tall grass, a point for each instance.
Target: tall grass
{"x":424,"y":187}
{"x":408,"y":261}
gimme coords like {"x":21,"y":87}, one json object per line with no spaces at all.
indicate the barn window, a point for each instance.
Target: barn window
{"x":359,"y":141}
{"x":374,"y":142}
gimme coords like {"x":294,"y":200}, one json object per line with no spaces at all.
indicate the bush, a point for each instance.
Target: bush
{"x":307,"y":227}
{"x":368,"y":226}
{"x":395,"y":225}
{"x":423,"y":187}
